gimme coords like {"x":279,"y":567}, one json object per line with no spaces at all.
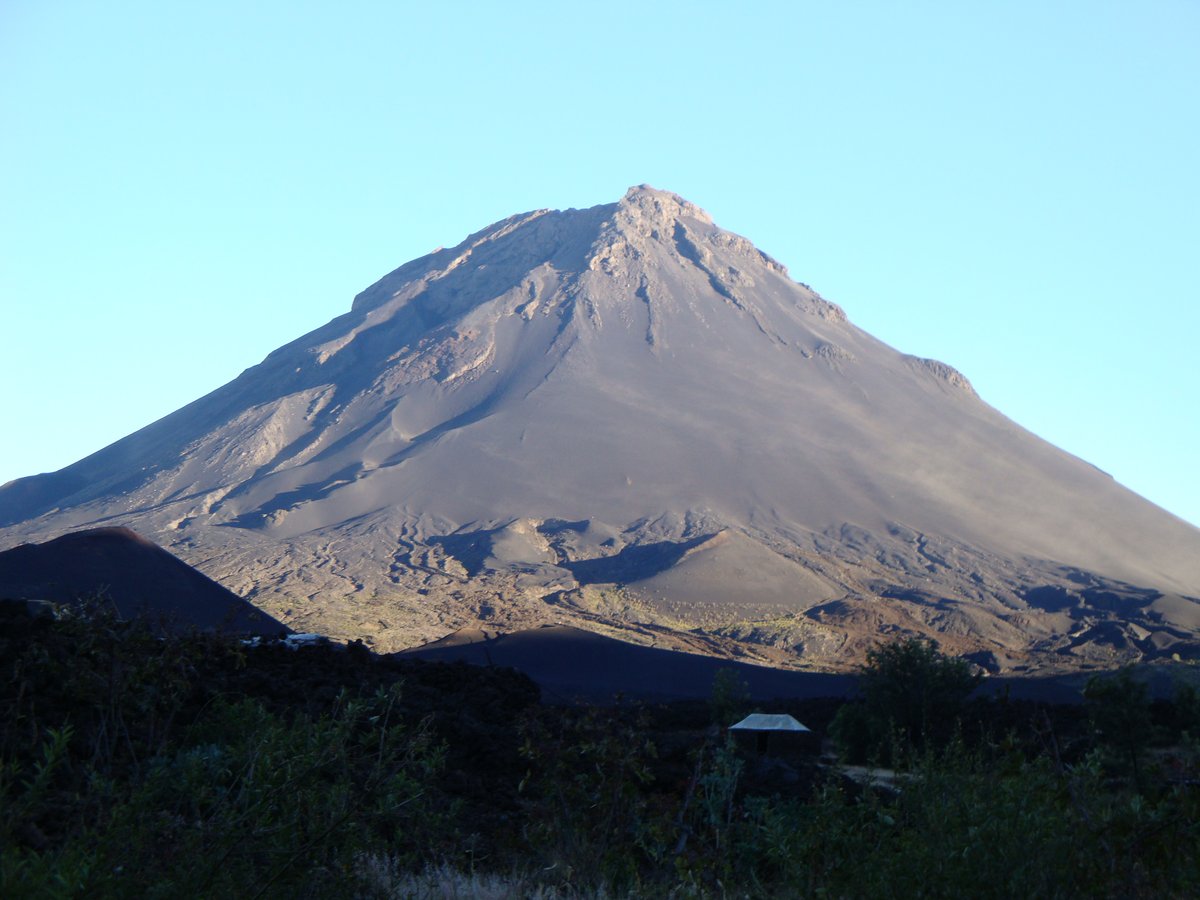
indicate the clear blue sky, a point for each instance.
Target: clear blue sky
{"x":1013,"y":188}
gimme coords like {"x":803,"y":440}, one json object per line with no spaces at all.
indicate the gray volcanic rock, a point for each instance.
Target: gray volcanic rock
{"x":628,"y":419}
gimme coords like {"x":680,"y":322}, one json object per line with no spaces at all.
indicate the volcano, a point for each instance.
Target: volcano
{"x":629,"y":420}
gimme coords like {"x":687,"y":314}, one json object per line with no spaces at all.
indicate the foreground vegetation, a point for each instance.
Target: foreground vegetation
{"x":136,"y":765}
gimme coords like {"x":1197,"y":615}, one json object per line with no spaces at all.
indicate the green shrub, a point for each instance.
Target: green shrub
{"x":587,"y":815}
{"x":912,"y":697}
{"x":142,"y":783}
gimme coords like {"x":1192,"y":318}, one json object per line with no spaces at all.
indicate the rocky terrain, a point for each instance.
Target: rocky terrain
{"x":628,"y":420}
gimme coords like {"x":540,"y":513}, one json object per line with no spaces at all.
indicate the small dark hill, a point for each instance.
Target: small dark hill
{"x":571,"y":664}
{"x":136,"y":576}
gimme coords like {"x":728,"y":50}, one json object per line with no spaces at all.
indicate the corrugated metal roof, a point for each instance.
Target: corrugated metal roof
{"x":765,"y":722}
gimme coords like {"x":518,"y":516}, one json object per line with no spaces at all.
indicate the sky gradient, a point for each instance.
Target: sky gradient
{"x":1010,"y":188}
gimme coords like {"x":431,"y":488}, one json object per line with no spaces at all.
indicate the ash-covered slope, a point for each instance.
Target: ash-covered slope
{"x":628,"y":418}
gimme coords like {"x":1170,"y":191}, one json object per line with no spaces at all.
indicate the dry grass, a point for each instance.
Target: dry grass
{"x":386,"y":878}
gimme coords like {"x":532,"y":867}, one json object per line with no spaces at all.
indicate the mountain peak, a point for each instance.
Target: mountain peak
{"x":655,"y":223}
{"x":660,"y":205}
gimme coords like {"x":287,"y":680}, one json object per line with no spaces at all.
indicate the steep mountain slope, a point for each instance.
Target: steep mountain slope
{"x":627,"y":418}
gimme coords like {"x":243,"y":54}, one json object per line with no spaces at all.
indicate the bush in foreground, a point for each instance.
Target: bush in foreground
{"x":132,"y":765}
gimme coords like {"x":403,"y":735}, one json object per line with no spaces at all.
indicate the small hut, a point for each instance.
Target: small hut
{"x":777,"y":732}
